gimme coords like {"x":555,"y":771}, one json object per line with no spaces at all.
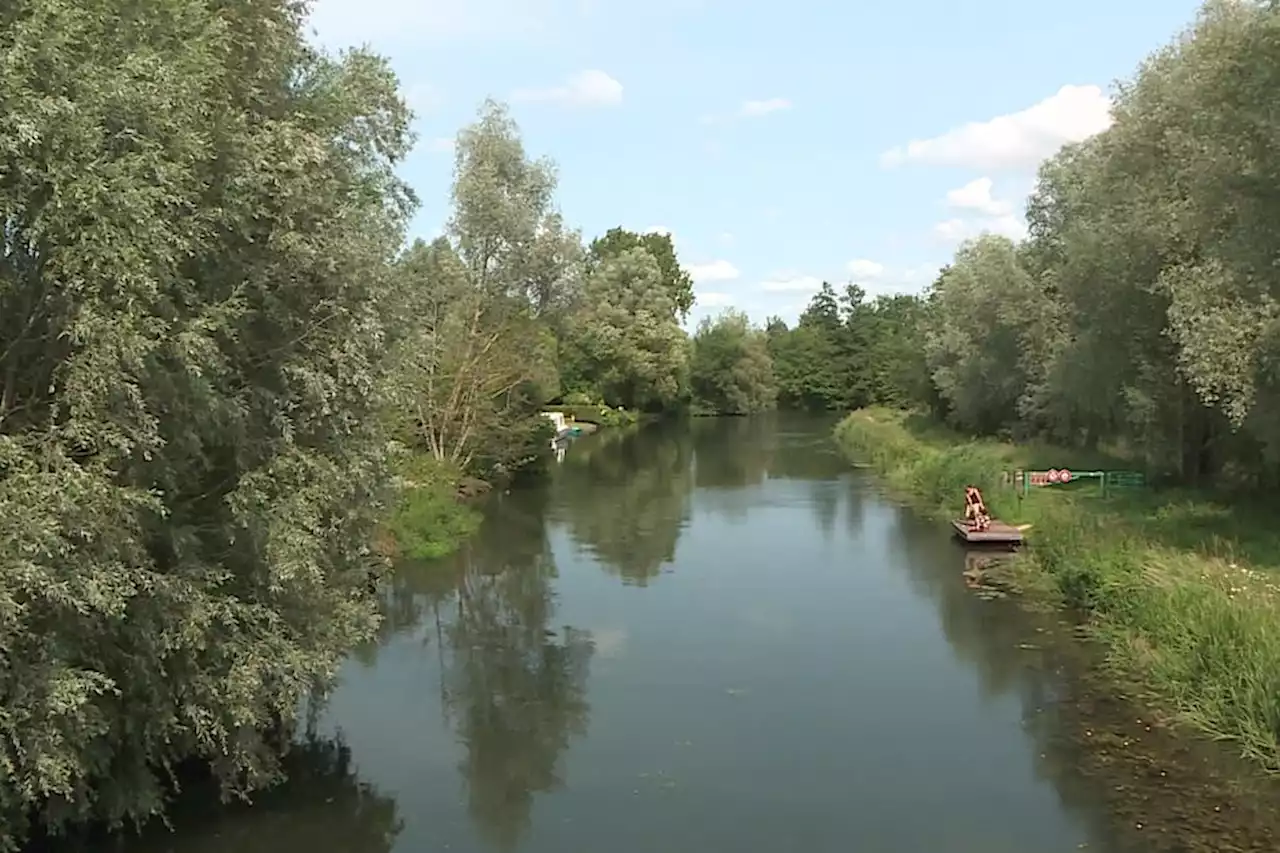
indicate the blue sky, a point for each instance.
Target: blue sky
{"x":780,"y":144}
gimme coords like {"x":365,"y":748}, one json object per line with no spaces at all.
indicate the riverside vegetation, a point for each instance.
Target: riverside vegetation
{"x":226,"y":378}
{"x":1183,"y":591}
{"x":1136,"y":326}
{"x":227,"y":387}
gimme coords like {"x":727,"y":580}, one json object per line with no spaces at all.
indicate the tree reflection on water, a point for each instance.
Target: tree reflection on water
{"x":513,"y":688}
{"x":624,"y":497}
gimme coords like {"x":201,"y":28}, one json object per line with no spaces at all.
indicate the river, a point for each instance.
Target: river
{"x":716,"y":636}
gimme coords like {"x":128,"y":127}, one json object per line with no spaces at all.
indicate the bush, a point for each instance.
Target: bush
{"x":429,"y":521}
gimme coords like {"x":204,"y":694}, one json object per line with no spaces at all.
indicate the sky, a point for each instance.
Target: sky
{"x":780,"y":144}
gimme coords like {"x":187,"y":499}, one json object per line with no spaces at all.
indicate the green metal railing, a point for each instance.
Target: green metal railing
{"x":1110,"y":480}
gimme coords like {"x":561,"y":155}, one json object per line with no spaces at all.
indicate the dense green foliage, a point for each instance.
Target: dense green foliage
{"x":732,"y":372}
{"x":1141,"y":312}
{"x":675,"y":280}
{"x":223,"y":377}
{"x":846,"y":352}
{"x":198,"y":212}
{"x":623,"y":341}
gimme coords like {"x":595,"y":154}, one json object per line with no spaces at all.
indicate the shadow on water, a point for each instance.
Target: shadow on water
{"x":1144,"y":786}
{"x":325,"y":806}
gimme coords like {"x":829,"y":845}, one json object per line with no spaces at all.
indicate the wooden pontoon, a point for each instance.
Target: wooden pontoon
{"x":996,"y":533}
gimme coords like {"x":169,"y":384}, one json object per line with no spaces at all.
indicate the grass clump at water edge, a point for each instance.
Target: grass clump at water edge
{"x":429,"y":520}
{"x":1181,"y":590}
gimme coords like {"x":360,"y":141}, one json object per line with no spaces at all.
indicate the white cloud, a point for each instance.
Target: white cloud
{"x":993,"y":215}
{"x":755,"y":109}
{"x":724,"y":238}
{"x":954,"y":231}
{"x":713,"y":271}
{"x":749,"y":109}
{"x":878,"y":279}
{"x":713,"y":299}
{"x":861,"y":268}
{"x":792,"y":284}
{"x":590,"y":88}
{"x":976,"y":195}
{"x":1017,"y":140}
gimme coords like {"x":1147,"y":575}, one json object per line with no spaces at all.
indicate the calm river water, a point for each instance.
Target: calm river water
{"x":695,"y":638}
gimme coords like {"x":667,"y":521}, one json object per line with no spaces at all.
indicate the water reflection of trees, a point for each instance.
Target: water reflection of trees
{"x":513,"y":689}
{"x":1140,"y":785}
{"x":324,"y":806}
{"x":624,"y":496}
{"x":733,"y":454}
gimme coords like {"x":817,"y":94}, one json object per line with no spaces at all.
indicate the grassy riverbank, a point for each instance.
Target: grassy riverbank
{"x":1182,"y":590}
{"x":431,"y":518}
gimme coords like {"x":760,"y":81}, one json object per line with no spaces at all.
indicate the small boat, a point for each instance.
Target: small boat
{"x":565,"y":428}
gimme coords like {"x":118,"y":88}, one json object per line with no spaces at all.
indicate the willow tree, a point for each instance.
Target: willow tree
{"x":198,"y":213}
{"x":1157,"y":240}
{"x":988,"y":316}
{"x":483,"y":301}
{"x":1199,"y":129}
{"x":475,"y":365}
{"x":731,"y":371}
{"x":625,"y":341}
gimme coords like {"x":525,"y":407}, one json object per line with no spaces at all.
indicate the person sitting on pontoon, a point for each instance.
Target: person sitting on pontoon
{"x":975,"y":509}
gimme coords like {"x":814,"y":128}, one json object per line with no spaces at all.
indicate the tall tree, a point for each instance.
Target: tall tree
{"x":198,"y":213}
{"x":476,"y":366}
{"x":674,"y":278}
{"x":625,"y":341}
{"x":504,"y":227}
{"x":731,"y":371}
{"x":988,"y":314}
{"x":481,"y":357}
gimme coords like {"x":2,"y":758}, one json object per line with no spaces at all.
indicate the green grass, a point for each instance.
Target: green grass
{"x":429,"y":521}
{"x":1182,"y":589}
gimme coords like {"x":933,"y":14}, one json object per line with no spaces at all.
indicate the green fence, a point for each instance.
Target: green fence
{"x":1110,"y":480}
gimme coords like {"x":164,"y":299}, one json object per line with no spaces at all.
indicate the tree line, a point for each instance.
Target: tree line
{"x":1141,"y":313}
